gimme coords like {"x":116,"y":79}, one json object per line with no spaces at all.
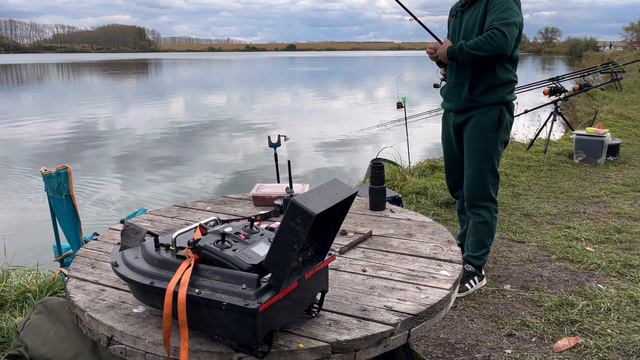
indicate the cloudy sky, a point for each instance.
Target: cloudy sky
{"x":313,"y":20}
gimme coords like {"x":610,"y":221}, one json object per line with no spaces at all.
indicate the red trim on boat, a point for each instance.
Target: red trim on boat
{"x":323,"y":265}
{"x":282,"y":294}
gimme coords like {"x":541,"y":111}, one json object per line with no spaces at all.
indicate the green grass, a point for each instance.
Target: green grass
{"x":565,"y":210}
{"x":20,"y":288}
{"x":607,"y":319}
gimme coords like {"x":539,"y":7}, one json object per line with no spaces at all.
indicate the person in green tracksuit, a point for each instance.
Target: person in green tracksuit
{"x":481,"y":57}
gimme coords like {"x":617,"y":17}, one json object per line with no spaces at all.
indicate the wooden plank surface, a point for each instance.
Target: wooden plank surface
{"x":384,"y":291}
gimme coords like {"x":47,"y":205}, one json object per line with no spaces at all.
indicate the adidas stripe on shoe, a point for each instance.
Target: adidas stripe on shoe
{"x":472,"y":280}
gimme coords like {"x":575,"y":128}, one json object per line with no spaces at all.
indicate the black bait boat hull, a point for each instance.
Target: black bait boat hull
{"x":242,"y":316}
{"x":249,"y":281}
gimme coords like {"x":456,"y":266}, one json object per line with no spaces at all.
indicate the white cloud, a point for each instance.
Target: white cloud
{"x":539,"y":14}
{"x":301,"y":20}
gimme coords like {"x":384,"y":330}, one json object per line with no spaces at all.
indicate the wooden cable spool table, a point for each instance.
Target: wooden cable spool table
{"x":386,"y":291}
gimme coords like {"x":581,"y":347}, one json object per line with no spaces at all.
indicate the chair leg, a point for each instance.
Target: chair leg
{"x":56,"y":234}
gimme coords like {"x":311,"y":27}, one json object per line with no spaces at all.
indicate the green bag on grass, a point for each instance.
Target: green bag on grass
{"x":50,"y":332}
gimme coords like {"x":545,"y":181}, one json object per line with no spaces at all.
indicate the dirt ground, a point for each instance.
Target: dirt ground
{"x":478,"y":326}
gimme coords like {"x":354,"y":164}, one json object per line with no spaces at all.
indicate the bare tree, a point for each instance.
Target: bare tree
{"x":549,"y":34}
{"x":631,"y":32}
{"x":111,"y":36}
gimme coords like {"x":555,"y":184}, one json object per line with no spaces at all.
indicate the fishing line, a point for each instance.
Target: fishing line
{"x":602,"y":69}
{"x":393,"y":148}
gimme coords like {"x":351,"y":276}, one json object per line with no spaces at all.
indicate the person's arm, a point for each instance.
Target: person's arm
{"x":432,"y":49}
{"x":504,"y":21}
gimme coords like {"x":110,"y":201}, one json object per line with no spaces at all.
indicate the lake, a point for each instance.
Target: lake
{"x":151,"y":130}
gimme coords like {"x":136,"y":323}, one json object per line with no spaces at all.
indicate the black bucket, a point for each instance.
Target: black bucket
{"x":613,"y":149}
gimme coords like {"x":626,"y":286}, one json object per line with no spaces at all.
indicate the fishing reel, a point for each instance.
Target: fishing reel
{"x":554,"y":91}
{"x":581,"y":87}
{"x":442,"y":73}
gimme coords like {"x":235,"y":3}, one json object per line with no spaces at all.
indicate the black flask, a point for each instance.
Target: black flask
{"x":377,"y":189}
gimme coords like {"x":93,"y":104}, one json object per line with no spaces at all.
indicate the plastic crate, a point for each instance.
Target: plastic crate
{"x":589,"y":149}
{"x":266,"y":194}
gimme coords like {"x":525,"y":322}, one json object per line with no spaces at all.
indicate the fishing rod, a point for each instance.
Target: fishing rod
{"x":400,"y":121}
{"x":520,"y":89}
{"x":612,"y":69}
{"x":604,"y":68}
{"x":562,"y":78}
{"x":441,"y":65}
{"x":420,"y":22}
{"x":567,"y":95}
{"x":563,"y":96}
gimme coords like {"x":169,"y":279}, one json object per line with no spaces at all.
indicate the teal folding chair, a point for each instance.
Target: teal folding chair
{"x":58,"y":184}
{"x":63,"y":207}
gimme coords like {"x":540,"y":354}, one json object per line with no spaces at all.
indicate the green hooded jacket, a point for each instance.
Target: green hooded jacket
{"x":483,"y":57}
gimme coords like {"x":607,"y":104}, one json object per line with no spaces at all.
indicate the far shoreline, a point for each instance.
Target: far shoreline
{"x":239,"y":47}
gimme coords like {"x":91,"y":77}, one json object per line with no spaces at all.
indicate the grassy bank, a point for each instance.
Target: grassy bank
{"x":566,"y":257}
{"x":20,"y":288}
{"x":9,"y":46}
{"x":319,"y":46}
{"x":572,"y":47}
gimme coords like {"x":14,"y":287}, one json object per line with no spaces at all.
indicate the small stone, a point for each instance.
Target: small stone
{"x":590,"y":249}
{"x":300,"y":346}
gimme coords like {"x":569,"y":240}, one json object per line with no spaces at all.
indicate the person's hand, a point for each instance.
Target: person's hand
{"x":441,"y":53}
{"x":432,"y":49}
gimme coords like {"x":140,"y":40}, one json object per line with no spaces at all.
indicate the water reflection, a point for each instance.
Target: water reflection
{"x":530,"y":69}
{"x":157,"y":129}
{"x":28,"y":74}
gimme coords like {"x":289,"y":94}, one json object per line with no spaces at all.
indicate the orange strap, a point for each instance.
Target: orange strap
{"x":182,"y":275}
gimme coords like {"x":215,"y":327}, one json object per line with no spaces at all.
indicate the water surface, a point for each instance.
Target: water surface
{"x":157,"y":129}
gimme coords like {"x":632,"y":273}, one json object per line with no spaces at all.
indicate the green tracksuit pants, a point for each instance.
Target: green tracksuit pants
{"x":473,"y":143}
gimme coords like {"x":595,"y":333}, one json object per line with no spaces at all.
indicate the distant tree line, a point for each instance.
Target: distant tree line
{"x":20,"y":36}
{"x":548,"y":41}
{"x":26,"y":33}
{"x":111,"y":36}
{"x":190,"y":40}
